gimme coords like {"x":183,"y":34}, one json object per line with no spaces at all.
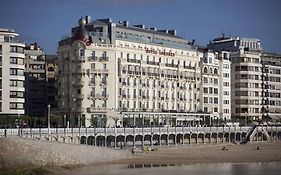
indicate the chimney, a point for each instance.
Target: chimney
{"x":139,"y":26}
{"x":126,"y":23}
{"x":173,"y":32}
{"x":88,"y":19}
{"x":163,"y":31}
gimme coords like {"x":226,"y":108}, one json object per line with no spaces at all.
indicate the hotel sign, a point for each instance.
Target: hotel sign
{"x":164,"y":53}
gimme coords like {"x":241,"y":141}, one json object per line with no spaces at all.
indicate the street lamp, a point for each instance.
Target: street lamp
{"x":49,"y":107}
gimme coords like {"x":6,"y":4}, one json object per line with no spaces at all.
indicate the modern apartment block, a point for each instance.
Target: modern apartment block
{"x":246,"y":71}
{"x":271,"y":86}
{"x":107,"y":68}
{"x":35,"y":81}
{"x":215,"y":87}
{"x":11,"y":73}
{"x":51,"y":80}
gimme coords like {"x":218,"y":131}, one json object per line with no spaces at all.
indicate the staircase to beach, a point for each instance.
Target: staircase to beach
{"x":250,"y":134}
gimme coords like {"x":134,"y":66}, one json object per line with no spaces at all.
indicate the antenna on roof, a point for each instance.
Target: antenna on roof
{"x":222,"y":33}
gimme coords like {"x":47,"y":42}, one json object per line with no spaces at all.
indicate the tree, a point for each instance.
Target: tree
{"x":94,"y":121}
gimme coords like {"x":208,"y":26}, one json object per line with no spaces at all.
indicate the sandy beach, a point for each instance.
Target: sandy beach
{"x":219,"y":153}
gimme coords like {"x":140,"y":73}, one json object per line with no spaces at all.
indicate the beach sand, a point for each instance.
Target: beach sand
{"x":201,"y":153}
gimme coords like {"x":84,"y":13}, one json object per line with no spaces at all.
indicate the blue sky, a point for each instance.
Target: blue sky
{"x":46,"y":21}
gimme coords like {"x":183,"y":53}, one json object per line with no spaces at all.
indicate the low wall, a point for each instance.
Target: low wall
{"x":19,"y":152}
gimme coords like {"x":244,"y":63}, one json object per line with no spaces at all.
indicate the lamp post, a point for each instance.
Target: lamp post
{"x":64,"y":121}
{"x":49,"y":107}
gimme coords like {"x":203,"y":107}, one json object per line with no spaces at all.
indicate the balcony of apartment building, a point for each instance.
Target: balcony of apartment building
{"x":99,"y":96}
{"x":96,"y":109}
{"x":93,"y":58}
{"x":171,"y":65}
{"x":153,"y":63}
{"x":103,"y":81}
{"x":98,"y":71}
{"x":103,"y":58}
{"x":189,"y":67}
{"x":133,"y":60}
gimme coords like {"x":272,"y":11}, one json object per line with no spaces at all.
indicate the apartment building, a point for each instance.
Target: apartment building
{"x":215,"y":87}
{"x":11,"y":73}
{"x":51,"y":80}
{"x":107,"y":68}
{"x":35,"y":81}
{"x":271,"y":86}
{"x":246,"y":71}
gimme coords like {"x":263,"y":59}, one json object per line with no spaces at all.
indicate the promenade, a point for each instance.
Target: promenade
{"x":148,"y":136}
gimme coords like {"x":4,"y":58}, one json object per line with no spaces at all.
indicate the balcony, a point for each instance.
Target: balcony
{"x":100,"y":96}
{"x":103,"y":58}
{"x":96,"y":109}
{"x":92,"y":58}
{"x":133,"y":60}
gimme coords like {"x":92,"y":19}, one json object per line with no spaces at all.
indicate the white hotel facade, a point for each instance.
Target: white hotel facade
{"x":110,"y":70}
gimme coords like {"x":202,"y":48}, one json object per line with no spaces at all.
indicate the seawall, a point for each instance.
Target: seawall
{"x":19,"y":152}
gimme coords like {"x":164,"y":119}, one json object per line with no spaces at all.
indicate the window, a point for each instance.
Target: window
{"x":104,"y":103}
{"x":16,"y":94}
{"x":13,"y":60}
{"x":206,"y":90}
{"x":104,"y":66}
{"x":205,"y":109}
{"x":205,"y":70}
{"x":226,"y":66}
{"x":225,"y":110}
{"x":215,"y":71}
{"x":16,"y":49}
{"x":81,"y":53}
{"x":225,"y":83}
{"x":14,"y":105}
{"x":210,"y":90}
{"x":205,"y":80}
{"x":205,"y":99}
{"x":210,"y":60}
{"x":93,"y":66}
{"x":216,"y":100}
{"x":103,"y":54}
{"x":215,"y":90}
{"x":226,"y":75}
{"x":215,"y":109}
{"x":215,"y":81}
{"x":210,"y":99}
{"x":14,"y":71}
{"x":17,"y":83}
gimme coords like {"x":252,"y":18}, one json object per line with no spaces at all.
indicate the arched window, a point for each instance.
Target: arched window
{"x":51,"y":69}
{"x":211,"y":70}
{"x":205,"y":70}
{"x":215,"y":71}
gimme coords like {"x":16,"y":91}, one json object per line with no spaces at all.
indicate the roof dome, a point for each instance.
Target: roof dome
{"x":81,"y":34}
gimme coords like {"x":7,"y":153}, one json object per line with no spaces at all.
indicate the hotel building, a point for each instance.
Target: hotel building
{"x":11,"y":73}
{"x":106,"y":69}
{"x":246,"y":71}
